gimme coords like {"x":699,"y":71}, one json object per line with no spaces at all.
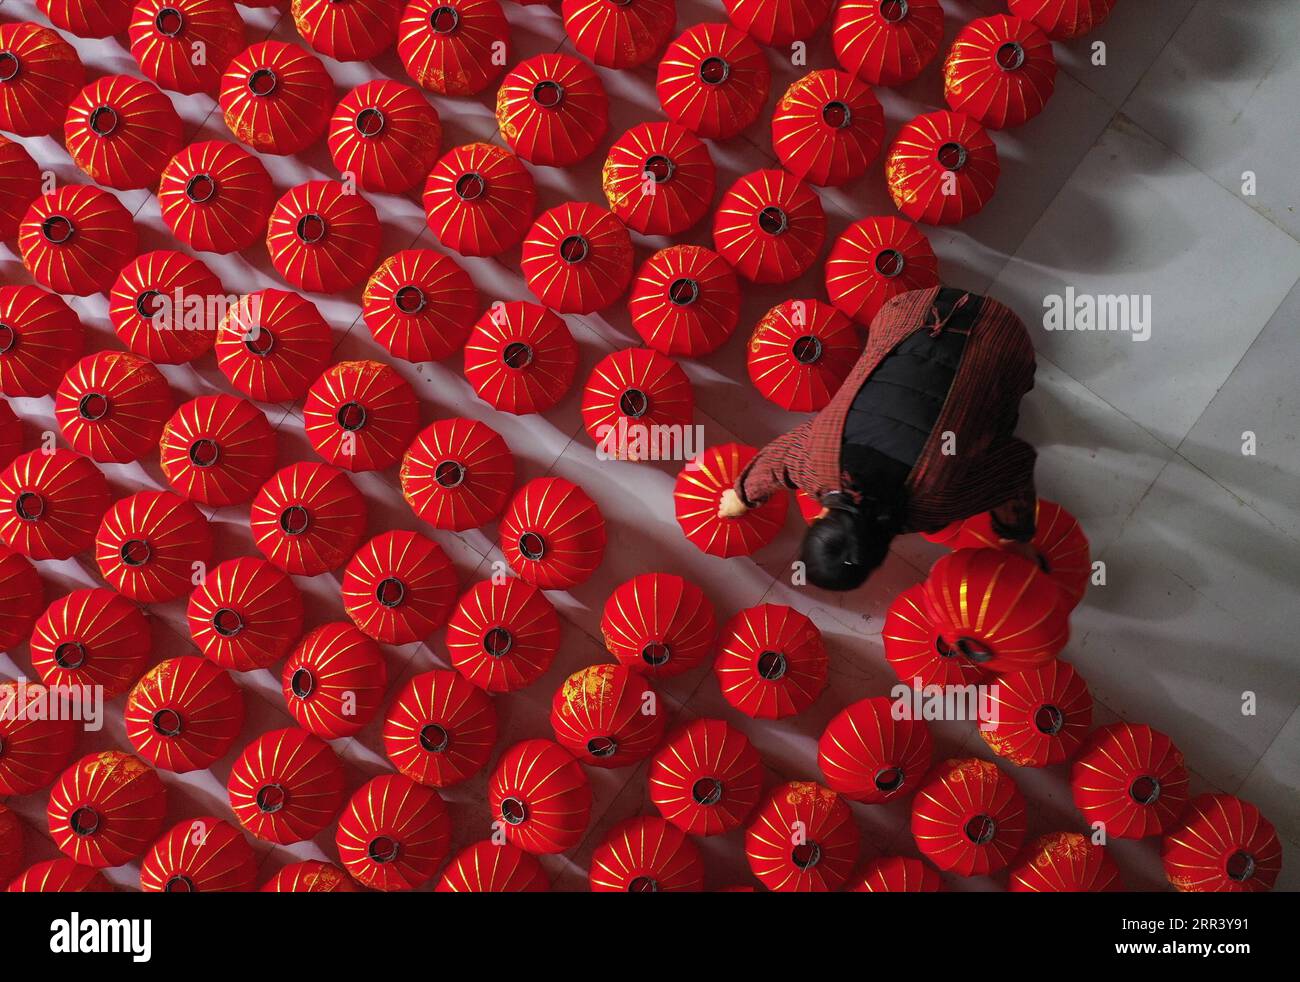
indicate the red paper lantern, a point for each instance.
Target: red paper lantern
{"x":1131,"y":779}
{"x":827,"y":128}
{"x":216,"y":197}
{"x":659,"y":624}
{"x":40,"y":74}
{"x":165,"y":34}
{"x":51,"y":504}
{"x":393,"y":834}
{"x":800,"y":353}
{"x":11,"y":844}
{"x":217,"y":450}
{"x":577,"y":258}
{"x":455,"y":47}
{"x":941,"y":168}
{"x":308,"y":519}
{"x":440,"y":729}
{"x":111,"y":406}
{"x":184,"y":714}
{"x":1063,"y":20}
{"x":420,"y":305}
{"x":658,"y":177}
{"x":619,"y":33}
{"x":200,"y":855}
{"x":914,"y":649}
{"x":361,"y":415}
{"x":685,"y":301}
{"x":105,"y":809}
{"x":552,"y":534}
{"x":33,"y":749}
{"x":272,"y":345}
{"x":286,"y":786}
{"x":40,"y":338}
{"x":1222,"y":845}
{"x":246,"y":614}
{"x":276,"y":98}
{"x":873,"y":261}
{"x":868,"y":753}
{"x":968,"y":817}
{"x":887,"y":42}
{"x":457,"y":474}
{"x":11,"y":435}
{"x":323,"y":238}
{"x":1040,"y":716}
{"x":492,"y":867}
{"x":162,"y":307}
{"x":707,"y":778}
{"x":997,"y":609}
{"x":552,"y":109}
{"x":76,"y":239}
{"x":88,"y":18}
{"x":351,"y":30}
{"x":503,"y":636}
{"x":150,"y":544}
{"x":540,"y":796}
{"x":769,"y":226}
{"x":1064,"y":862}
{"x":22,"y":599}
{"x":606,"y":716}
{"x":778,"y":22}
{"x":1000,"y":71}
{"x":385,"y":134}
{"x":771,"y":662}
{"x":60,"y":876}
{"x":310,"y":876}
{"x":520,"y":357}
{"x":334,"y":681}
{"x":699,"y":488}
{"x":803,"y":839}
{"x":634,"y":401}
{"x":646,"y":855}
{"x":91,"y":638}
{"x":399,"y":587}
{"x":20,"y":184}
{"x":895,"y":874}
{"x":713,"y":80}
{"x":122,"y":131}
{"x":479,"y":199}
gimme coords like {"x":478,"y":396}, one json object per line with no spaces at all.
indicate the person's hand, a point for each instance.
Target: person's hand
{"x":1025,"y":550}
{"x":730,"y":505}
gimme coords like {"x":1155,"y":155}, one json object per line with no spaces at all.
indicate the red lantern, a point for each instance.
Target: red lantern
{"x":200,"y":855}
{"x":457,"y":474}
{"x":968,"y":817}
{"x":393,"y":834}
{"x":619,"y":33}
{"x":685,"y":301}
{"x":713,"y":80}
{"x":420,"y":305}
{"x":33,"y":749}
{"x":308,"y":519}
{"x":161,"y":306}
{"x":1131,"y":779}
{"x":276,"y":98}
{"x":1000,"y":71}
{"x":455,"y":47}
{"x":217,"y":450}
{"x":771,"y":662}
{"x":76,"y":239}
{"x":646,"y":855}
{"x":184,"y":714}
{"x":873,"y":261}
{"x":105,"y":809}
{"x":695,"y":498}
{"x":286,"y":786}
{"x":658,"y":177}
{"x":540,"y":796}
{"x":503,"y":637}
{"x":997,"y":609}
{"x":778,"y":23}
{"x":632,"y":398}
{"x":941,"y":168}
{"x":440,"y":729}
{"x":334,"y":681}
{"x":272,"y":345}
{"x":51,"y":504}
{"x":20,"y":185}
{"x":60,"y":876}
{"x":40,"y":74}
{"x":11,"y":435}
{"x":887,"y":42}
{"x":323,"y":238}
{"x":659,"y":624}
{"x":492,"y":867}
{"x":896,"y":874}
{"x":310,"y":876}
{"x":11,"y":844}
{"x":361,"y":415}
{"x":914,"y":649}
{"x":88,"y":18}
{"x":827,"y":128}
{"x":769,"y":226}
{"x":216,"y":197}
{"x":40,"y":338}
{"x":1222,"y":845}
{"x":1064,"y":862}
{"x":385,"y":134}
{"x":869,"y":753}
{"x":520,"y":358}
{"x":707,"y":778}
{"x":800,"y":353}
{"x":352,"y":30}
{"x":479,"y":199}
{"x":22,"y":599}
{"x":552,"y":534}
{"x":552,"y":109}
{"x":1063,"y":20}
{"x":111,"y":406}
{"x":606,"y":716}
{"x":246,"y":614}
{"x":165,"y":34}
{"x":399,"y":587}
{"x":577,"y":258}
{"x":1040,"y":716}
{"x":91,"y":638}
{"x":122,"y":131}
{"x":803,"y":839}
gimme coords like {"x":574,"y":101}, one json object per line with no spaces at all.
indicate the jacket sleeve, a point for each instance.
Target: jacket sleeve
{"x":772,"y":469}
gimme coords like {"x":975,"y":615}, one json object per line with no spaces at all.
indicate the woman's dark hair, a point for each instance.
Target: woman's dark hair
{"x":845,"y":546}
